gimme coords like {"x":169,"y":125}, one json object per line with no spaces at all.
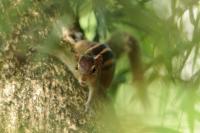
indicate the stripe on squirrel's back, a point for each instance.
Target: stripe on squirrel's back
{"x":107,"y":54}
{"x":108,"y":58}
{"x":96,"y":49}
{"x":101,"y":49}
{"x":104,"y":51}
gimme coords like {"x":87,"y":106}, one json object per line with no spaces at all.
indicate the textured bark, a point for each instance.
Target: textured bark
{"x":40,"y":95}
{"x":37,"y":93}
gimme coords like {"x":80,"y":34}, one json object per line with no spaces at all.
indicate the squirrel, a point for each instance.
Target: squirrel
{"x":95,"y":63}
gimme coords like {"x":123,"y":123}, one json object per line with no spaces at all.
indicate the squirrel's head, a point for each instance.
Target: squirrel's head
{"x":89,"y":68}
{"x":86,"y":64}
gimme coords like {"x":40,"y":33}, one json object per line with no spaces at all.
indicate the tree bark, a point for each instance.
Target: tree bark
{"x":40,"y":95}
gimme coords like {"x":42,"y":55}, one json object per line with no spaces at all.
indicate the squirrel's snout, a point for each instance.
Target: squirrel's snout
{"x":82,"y":81}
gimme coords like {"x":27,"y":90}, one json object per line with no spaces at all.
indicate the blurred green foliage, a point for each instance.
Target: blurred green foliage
{"x":168,"y":34}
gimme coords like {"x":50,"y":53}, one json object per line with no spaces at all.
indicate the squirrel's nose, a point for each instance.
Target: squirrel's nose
{"x":82,"y":82}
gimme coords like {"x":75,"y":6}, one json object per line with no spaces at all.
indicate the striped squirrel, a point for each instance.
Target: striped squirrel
{"x":95,"y":63}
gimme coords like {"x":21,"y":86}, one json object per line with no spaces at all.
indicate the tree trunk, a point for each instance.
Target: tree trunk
{"x":40,"y":95}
